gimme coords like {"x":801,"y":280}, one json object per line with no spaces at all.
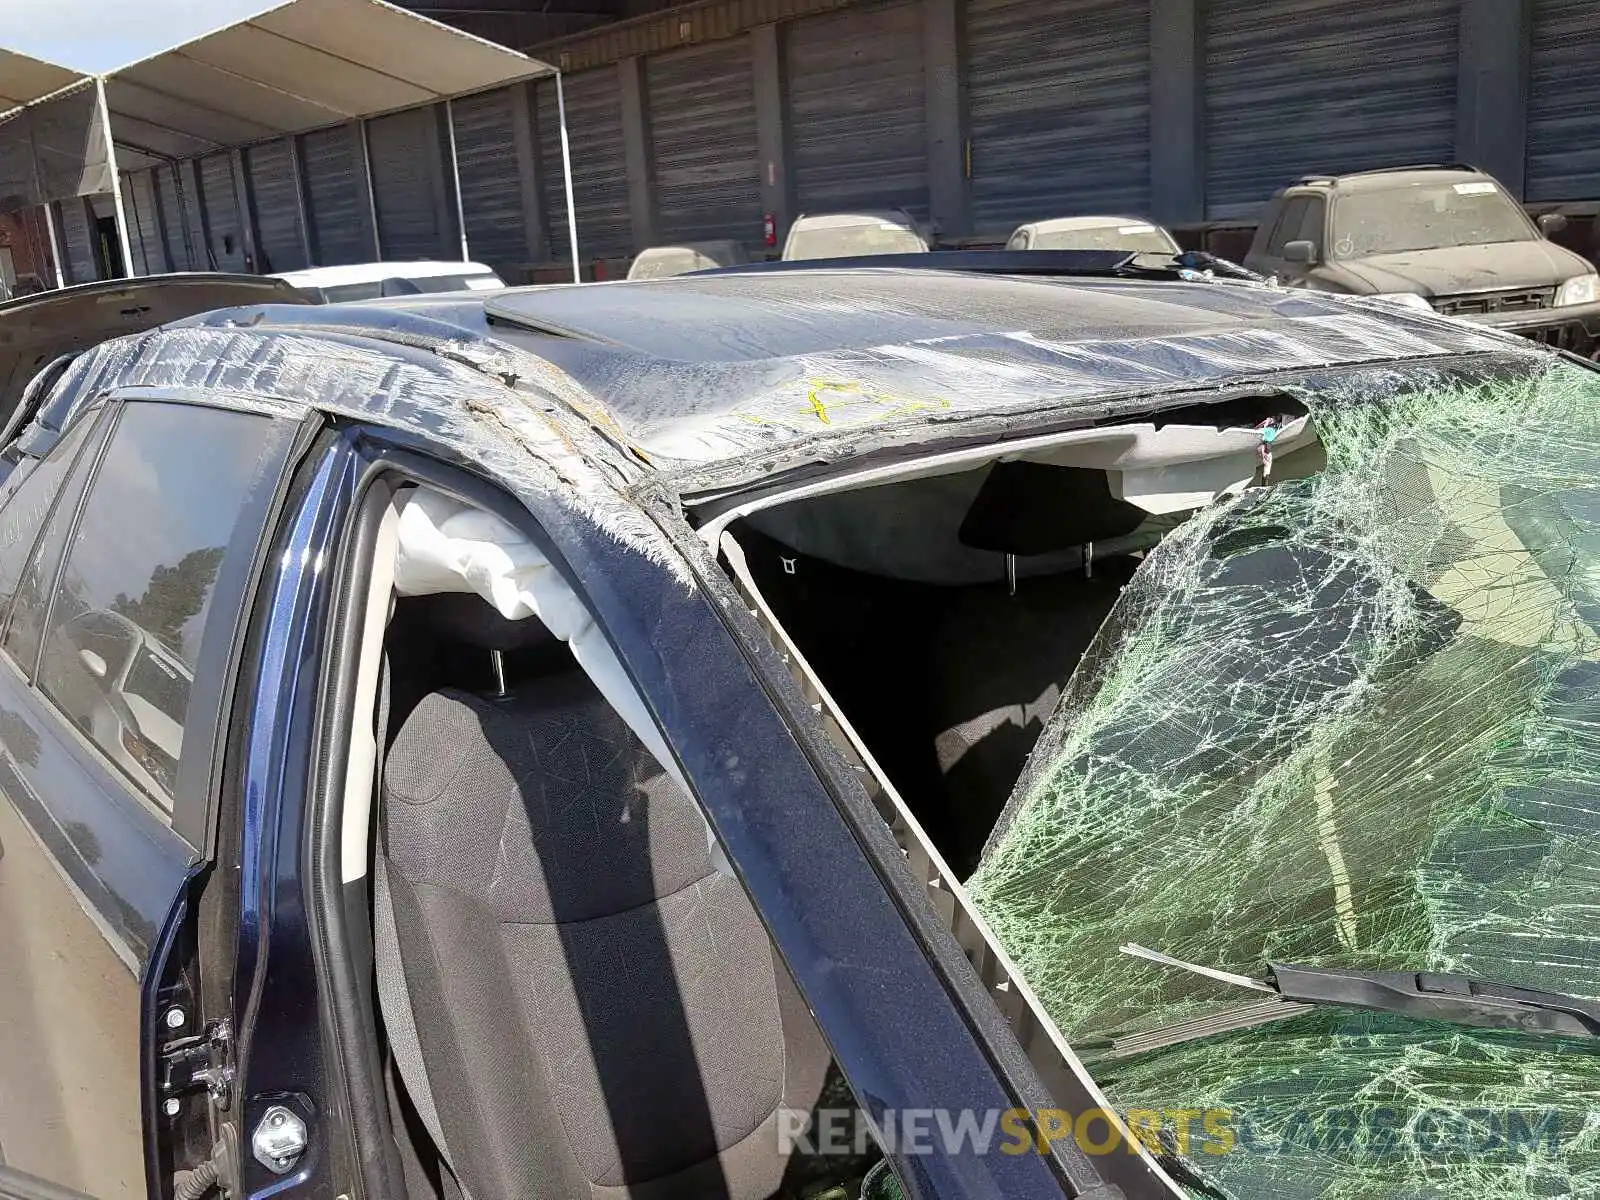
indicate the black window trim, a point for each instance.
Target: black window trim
{"x":191,"y":810}
{"x":1281,"y":226}
{"x":1319,"y":205}
{"x":90,"y":445}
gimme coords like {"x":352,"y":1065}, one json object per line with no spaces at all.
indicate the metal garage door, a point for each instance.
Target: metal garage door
{"x":491,"y":186}
{"x":336,"y":197}
{"x":416,"y":214}
{"x":275,"y":203}
{"x":857,"y":101}
{"x":1564,"y":102}
{"x":172,"y":209}
{"x":703,"y":127}
{"x":194,"y":198}
{"x":225,"y":243}
{"x":599,"y":168}
{"x":1058,"y":93}
{"x":139,"y":203}
{"x":77,"y":240}
{"x":1323,"y":85}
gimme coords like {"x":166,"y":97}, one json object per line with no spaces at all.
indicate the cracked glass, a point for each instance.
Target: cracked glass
{"x":1350,"y":720}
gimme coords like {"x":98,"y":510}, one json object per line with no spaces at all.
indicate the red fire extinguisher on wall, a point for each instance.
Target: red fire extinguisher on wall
{"x":769,"y":230}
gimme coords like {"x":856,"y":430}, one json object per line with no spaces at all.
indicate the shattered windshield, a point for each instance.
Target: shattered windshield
{"x":1352,"y":720}
{"x":1474,"y":213}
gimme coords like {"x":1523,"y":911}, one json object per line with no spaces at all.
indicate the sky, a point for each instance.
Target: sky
{"x":107,"y":34}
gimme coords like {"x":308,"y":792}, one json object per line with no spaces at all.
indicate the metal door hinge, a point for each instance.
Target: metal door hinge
{"x":202,"y":1061}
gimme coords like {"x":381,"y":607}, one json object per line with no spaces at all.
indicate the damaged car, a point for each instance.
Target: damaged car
{"x":1446,"y":238}
{"x":833,"y":733}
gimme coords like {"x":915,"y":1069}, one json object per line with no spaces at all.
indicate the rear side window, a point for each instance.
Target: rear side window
{"x":1290,"y":223}
{"x":121,"y":637}
{"x":1311,"y":223}
{"x":32,"y":497}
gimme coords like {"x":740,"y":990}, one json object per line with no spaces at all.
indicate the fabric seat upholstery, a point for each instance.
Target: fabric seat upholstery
{"x":599,"y":1008}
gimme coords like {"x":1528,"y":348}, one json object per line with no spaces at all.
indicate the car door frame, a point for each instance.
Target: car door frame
{"x":881,"y":1047}
{"x":166,"y":973}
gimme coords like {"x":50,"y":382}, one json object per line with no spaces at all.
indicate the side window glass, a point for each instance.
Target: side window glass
{"x":123,"y":629}
{"x":1311,"y":224}
{"x":1294,"y":213}
{"x":27,"y":499}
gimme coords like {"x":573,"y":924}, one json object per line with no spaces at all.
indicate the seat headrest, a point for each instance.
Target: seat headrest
{"x":466,"y":617}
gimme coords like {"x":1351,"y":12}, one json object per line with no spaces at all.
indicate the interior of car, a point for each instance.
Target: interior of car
{"x":943,"y":611}
{"x":575,"y":992}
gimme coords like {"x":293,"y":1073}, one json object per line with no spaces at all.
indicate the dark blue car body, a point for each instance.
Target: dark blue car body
{"x":496,"y":398}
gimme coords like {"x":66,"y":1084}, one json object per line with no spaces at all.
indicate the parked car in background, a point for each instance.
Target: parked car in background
{"x":1133,"y":234}
{"x":662,"y":262}
{"x":850,"y":235}
{"x":1448,"y":238}
{"x":372,"y":281}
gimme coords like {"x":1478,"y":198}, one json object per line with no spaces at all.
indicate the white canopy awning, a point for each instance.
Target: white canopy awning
{"x":24,"y":79}
{"x":298,"y":66}
{"x":302,"y":65}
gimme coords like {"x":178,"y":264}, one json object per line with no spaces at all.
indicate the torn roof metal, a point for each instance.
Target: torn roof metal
{"x":1057,"y":352}
{"x":24,"y":79}
{"x":746,"y":374}
{"x":300,"y":65}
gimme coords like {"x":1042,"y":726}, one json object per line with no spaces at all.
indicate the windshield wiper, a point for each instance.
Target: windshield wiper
{"x":1425,"y":995}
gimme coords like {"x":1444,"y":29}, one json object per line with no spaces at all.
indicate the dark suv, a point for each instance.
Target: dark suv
{"x":1446,"y":237}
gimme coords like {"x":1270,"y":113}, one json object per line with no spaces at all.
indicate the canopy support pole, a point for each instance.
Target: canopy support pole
{"x":455,"y":179}
{"x":55,"y":244}
{"x":372,"y":193}
{"x":116,"y":180}
{"x":566,"y":171}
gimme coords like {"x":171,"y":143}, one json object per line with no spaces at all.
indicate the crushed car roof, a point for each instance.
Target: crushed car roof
{"x":720,"y":381}
{"x":702,"y":369}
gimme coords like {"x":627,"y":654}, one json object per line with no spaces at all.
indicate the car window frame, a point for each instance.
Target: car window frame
{"x":93,"y":445}
{"x":1315,"y":223}
{"x":194,"y":792}
{"x":1281,"y":235}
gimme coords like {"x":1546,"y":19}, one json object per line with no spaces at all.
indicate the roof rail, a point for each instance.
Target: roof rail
{"x":1116,"y":264}
{"x":1331,"y":176}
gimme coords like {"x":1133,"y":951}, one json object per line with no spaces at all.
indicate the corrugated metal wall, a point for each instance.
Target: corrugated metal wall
{"x":194,"y":198}
{"x":144,"y":235}
{"x":1058,"y":95}
{"x":703,"y":130}
{"x":415,"y":212}
{"x":178,"y":236}
{"x":491,"y":187}
{"x":599,"y":167}
{"x":224,"y":228}
{"x":1323,"y":85}
{"x":1055,"y":96}
{"x":336,"y":197}
{"x":1564,"y":101}
{"x":77,"y":239}
{"x":857,"y":103}
{"x":269,"y":170}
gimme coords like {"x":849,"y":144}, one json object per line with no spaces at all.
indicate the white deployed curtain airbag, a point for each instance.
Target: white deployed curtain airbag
{"x":448,"y":546}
